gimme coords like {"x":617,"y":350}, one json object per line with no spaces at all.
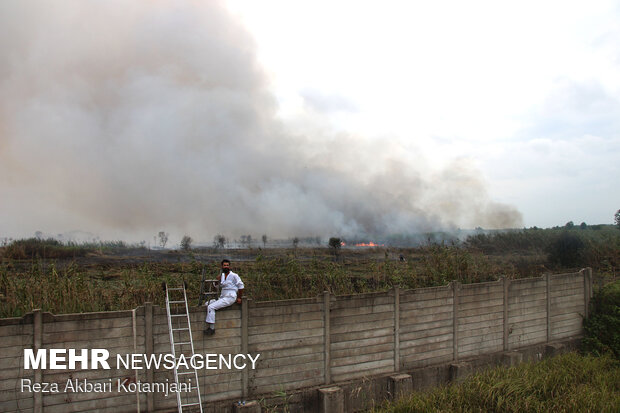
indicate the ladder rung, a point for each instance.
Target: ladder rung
{"x":178,"y":315}
{"x":183,"y":343}
{"x":180,"y":329}
{"x":175,"y":289}
{"x":176,"y":302}
{"x":185,"y":372}
{"x":190,"y":404}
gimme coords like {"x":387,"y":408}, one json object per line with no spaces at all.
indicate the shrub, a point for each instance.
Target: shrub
{"x":567,"y":250}
{"x":498,"y":242}
{"x":43,"y":248}
{"x":602,"y":327}
{"x":186,"y":243}
{"x":335,"y":244}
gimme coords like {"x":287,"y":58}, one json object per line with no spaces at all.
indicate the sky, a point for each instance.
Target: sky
{"x":529,"y":91}
{"x":299,"y":118}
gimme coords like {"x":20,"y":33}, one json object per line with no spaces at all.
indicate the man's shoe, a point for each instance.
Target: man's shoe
{"x":209,"y":331}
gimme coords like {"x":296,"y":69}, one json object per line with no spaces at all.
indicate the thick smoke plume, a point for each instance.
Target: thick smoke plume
{"x":126,"y":118}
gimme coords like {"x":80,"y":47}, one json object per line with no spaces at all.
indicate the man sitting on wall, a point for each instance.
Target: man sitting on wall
{"x":232,"y":291}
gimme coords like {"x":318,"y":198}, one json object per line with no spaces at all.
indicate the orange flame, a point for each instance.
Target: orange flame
{"x":368,"y":244}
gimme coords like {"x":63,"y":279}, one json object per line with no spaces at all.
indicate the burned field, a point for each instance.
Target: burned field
{"x":69,"y":279}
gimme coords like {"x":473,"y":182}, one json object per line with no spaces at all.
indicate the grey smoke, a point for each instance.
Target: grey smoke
{"x":126,"y":118}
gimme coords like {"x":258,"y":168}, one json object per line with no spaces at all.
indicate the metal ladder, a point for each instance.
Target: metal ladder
{"x":209,"y":289}
{"x":181,"y":342}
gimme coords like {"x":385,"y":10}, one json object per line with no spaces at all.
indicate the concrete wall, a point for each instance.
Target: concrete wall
{"x":303,"y":343}
{"x":426,"y":328}
{"x":289,"y":336}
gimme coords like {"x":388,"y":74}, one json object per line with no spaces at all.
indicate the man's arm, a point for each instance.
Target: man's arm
{"x":240,"y":288}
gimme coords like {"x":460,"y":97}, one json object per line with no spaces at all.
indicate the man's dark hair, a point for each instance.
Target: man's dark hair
{"x":225,"y":260}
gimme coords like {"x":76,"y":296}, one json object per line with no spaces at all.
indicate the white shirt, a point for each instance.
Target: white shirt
{"x":230,"y":284}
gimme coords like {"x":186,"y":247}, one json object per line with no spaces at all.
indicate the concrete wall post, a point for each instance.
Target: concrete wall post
{"x":396,"y":328}
{"x":512,"y":358}
{"x":327,"y":336}
{"x":400,"y":385}
{"x":587,"y":289}
{"x":460,"y":371}
{"x":245,"y":376}
{"x":134,"y":332}
{"x":37,"y":345}
{"x":506,"y":283}
{"x":331,"y":400}
{"x":549,"y":332}
{"x":456,"y":286}
{"x":148,"y":349}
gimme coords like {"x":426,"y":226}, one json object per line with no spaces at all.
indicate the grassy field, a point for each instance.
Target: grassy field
{"x":113,"y":276}
{"x":567,"y":383}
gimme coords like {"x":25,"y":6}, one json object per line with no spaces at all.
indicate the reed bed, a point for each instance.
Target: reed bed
{"x":66,"y":278}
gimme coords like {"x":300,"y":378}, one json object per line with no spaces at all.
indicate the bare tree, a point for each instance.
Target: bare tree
{"x":295,"y":244}
{"x":163,"y":238}
{"x":246,"y":240}
{"x":264,"y":237}
{"x":219,"y":241}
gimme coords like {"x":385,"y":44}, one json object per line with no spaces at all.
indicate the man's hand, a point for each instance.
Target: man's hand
{"x":238,"y":301}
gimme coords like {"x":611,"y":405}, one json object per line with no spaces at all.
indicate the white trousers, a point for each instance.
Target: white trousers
{"x":223,"y":301}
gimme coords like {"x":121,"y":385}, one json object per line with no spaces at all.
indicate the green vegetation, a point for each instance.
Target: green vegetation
{"x":75,"y":290}
{"x":62,"y":287}
{"x":35,"y":248}
{"x":602,"y":327}
{"x":596,"y":246}
{"x":112,"y":276}
{"x":567,"y":250}
{"x":50,"y":248}
{"x":335,"y":244}
{"x":567,"y":383}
